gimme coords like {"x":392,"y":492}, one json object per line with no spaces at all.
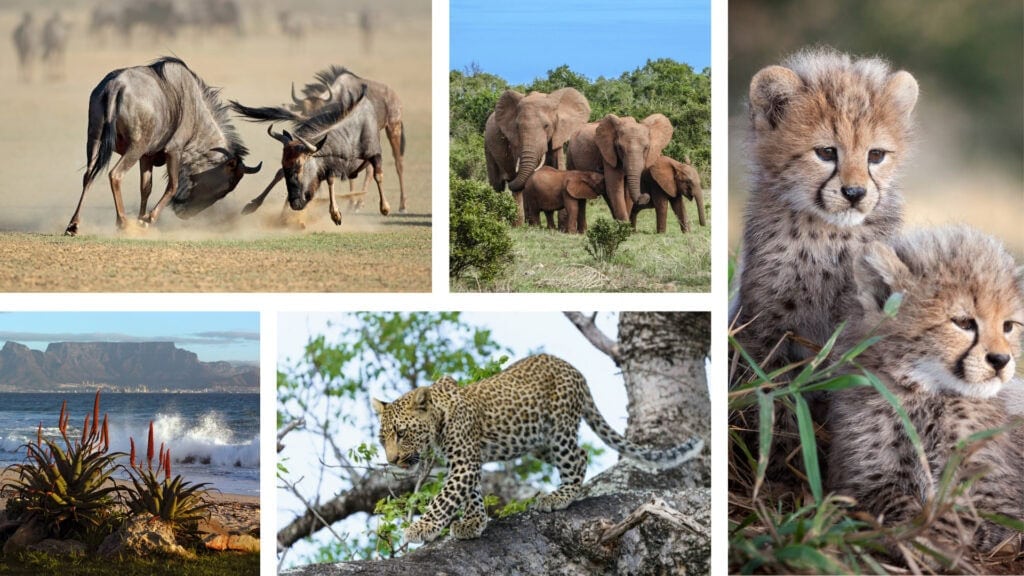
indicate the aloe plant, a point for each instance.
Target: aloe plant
{"x":68,"y":487}
{"x":174,"y":500}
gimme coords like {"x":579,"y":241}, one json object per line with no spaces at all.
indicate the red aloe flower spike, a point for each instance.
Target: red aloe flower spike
{"x":95,"y":413}
{"x":167,"y":468}
{"x":39,"y":435}
{"x":161,"y":458}
{"x":106,"y":435}
{"x":149,"y":450}
{"x":85,"y":427}
{"x":62,"y":421}
{"x":131,"y":460}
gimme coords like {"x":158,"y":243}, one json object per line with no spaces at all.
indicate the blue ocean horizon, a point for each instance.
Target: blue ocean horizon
{"x":213,"y":437}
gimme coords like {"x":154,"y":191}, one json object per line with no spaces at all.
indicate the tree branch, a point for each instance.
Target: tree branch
{"x":288,"y":428}
{"x":591,"y":332}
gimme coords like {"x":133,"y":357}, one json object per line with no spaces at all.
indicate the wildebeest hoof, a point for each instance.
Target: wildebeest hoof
{"x":385,"y":210}
{"x":336,"y":217}
{"x":250,"y":208}
{"x":71,"y":230}
{"x":401,"y":210}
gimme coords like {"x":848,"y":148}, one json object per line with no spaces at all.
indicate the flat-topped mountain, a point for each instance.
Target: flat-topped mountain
{"x":131,"y":365}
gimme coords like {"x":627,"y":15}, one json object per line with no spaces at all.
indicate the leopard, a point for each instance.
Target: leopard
{"x":534,"y":406}
{"x":829,"y":133}
{"x":946,"y":356}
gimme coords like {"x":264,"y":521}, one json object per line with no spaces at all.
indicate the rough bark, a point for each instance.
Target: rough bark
{"x":564,"y":542}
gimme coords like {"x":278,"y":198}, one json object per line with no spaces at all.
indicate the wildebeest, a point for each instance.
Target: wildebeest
{"x":55,"y":44}
{"x":337,"y":84}
{"x":293,"y":25}
{"x":160,"y":114}
{"x":26,"y":43}
{"x":339,"y":141}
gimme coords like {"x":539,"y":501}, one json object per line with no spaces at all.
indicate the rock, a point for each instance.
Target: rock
{"x":217,"y":542}
{"x":143,"y":537}
{"x":27,"y":534}
{"x":243,"y":543}
{"x":60,"y":547}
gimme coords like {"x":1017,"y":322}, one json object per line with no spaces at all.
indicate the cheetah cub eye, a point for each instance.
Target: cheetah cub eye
{"x":967,"y":324}
{"x":826,"y":153}
{"x":1009,"y":325}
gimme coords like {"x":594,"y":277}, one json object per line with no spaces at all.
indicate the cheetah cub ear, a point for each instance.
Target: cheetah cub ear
{"x":901,"y":90}
{"x":879,"y":273}
{"x":771,"y":89}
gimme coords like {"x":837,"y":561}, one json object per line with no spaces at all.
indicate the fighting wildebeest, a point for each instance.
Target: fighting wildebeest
{"x":160,"y":114}
{"x":336,"y":84}
{"x":339,"y":141}
{"x":26,"y":43}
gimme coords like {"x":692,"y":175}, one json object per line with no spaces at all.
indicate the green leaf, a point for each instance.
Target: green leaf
{"x":766,"y":419}
{"x":808,"y":446}
{"x":892,"y":304}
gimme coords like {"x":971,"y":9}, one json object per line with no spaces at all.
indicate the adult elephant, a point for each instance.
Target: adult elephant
{"x":621,"y":148}
{"x":528,"y":131}
{"x":668,"y":181}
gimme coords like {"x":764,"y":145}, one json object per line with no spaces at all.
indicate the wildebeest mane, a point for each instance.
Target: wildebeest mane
{"x":327,"y":78}
{"x":211,"y":97}
{"x":328,"y":116}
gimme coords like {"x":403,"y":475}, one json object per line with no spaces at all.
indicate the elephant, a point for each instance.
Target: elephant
{"x":667,"y":181}
{"x":621,"y":148}
{"x":527,"y":131}
{"x":550,"y":190}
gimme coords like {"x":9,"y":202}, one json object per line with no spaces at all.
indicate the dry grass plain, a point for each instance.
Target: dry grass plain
{"x":42,"y":158}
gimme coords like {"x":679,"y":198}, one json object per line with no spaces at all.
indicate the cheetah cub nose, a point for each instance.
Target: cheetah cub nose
{"x":997,"y":361}
{"x":853,"y":194}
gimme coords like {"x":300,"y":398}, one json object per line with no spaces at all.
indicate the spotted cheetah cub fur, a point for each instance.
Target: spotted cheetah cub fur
{"x":534,"y":406}
{"x":828,"y":134}
{"x":946,"y":356}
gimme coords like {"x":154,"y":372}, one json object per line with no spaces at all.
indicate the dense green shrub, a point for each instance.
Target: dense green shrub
{"x":479,"y":240}
{"x":604,"y":237}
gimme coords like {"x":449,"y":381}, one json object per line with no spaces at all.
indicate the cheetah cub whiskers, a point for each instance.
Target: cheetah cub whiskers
{"x":947,"y":354}
{"x":533,"y":406}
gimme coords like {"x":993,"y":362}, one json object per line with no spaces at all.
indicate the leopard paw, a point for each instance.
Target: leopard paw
{"x":469,"y":529}
{"x":551,"y":502}
{"x":421,"y":531}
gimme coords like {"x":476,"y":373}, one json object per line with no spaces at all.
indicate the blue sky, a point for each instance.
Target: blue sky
{"x":520,"y":41}
{"x":211,"y":335}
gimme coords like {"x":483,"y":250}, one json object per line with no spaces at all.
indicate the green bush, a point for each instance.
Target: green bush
{"x":604,"y":237}
{"x":466,"y":157}
{"x":478,"y":235}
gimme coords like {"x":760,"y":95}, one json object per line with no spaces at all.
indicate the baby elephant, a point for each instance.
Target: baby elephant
{"x":668,"y":181}
{"x":549,"y":190}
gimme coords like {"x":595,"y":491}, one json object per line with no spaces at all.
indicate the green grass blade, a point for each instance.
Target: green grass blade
{"x":766,"y":418}
{"x":808,"y":446}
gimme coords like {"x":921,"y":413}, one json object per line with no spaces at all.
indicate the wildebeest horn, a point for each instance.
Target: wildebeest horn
{"x":330,"y":94}
{"x":222,"y":150}
{"x":251,"y":169}
{"x":282,"y":138}
{"x":295,"y":98}
{"x":309,"y":146}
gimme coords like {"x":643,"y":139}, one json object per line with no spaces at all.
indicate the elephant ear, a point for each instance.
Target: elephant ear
{"x":573,"y":112}
{"x":604,"y":136}
{"x":664,"y":174}
{"x":505,"y":113}
{"x":771,"y":89}
{"x":580,"y":189}
{"x":661,"y":133}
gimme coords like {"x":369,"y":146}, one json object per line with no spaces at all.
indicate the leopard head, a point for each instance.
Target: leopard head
{"x":406,"y":426}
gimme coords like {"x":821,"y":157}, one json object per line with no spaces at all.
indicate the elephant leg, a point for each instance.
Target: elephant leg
{"x":581,"y":219}
{"x":679,"y":207}
{"x":661,"y":211}
{"x":550,"y":216}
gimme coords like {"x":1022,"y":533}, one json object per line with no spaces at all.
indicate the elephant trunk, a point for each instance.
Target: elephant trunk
{"x":698,"y":199}
{"x":633,"y":188}
{"x":527,"y":164}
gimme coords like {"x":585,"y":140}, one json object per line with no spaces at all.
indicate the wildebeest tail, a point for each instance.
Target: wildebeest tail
{"x":265,"y":114}
{"x":402,"y":148}
{"x":108,"y":136}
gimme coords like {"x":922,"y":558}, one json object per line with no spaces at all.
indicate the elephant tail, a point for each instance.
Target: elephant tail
{"x":660,"y":458}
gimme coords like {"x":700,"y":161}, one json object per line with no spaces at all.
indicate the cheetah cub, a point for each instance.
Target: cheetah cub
{"x":828,"y":134}
{"x":945,"y":356}
{"x":534,"y":406}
